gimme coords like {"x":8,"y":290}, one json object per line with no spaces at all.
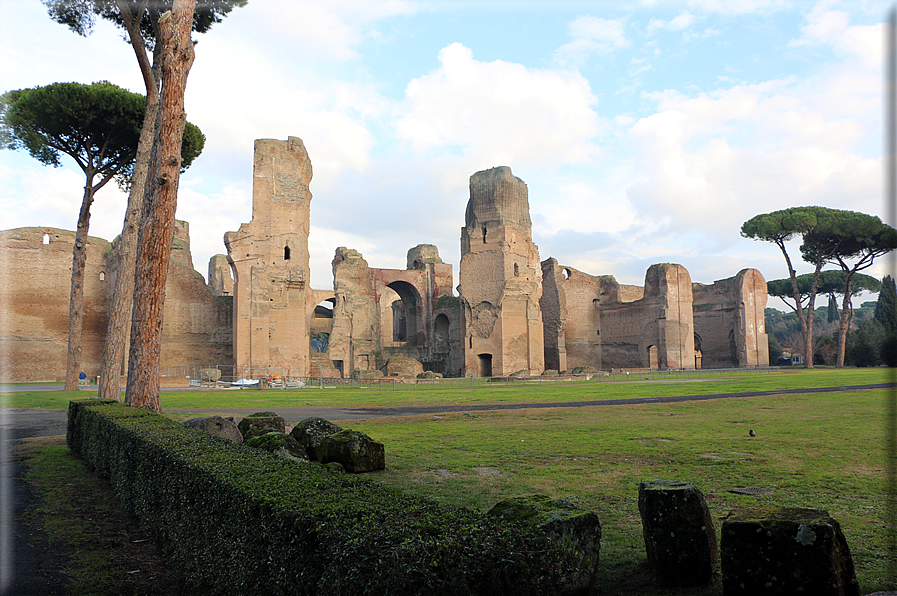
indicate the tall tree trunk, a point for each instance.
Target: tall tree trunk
{"x":118,"y":330}
{"x":159,"y":206}
{"x":806,"y":327}
{"x":844,"y":322}
{"x":76,"y":298}
{"x":123,"y":298}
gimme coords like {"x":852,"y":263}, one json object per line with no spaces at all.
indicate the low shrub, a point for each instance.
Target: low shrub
{"x":238,"y":520}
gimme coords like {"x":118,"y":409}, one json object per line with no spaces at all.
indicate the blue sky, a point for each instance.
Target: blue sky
{"x":646,"y":132}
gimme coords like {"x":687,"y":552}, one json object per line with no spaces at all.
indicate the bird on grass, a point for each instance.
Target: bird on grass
{"x":752,"y":433}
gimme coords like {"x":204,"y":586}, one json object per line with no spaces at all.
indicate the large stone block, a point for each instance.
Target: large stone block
{"x":277,"y":441}
{"x":402,"y":366}
{"x":783,"y":551}
{"x":678,"y":530}
{"x":356,"y":451}
{"x":574,"y":530}
{"x":311,"y":431}
{"x":218,"y":426}
{"x":261,"y":423}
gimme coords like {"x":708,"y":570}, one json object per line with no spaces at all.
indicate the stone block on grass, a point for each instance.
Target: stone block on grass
{"x":218,"y":426}
{"x":778,"y":551}
{"x":275,"y":441}
{"x":679,"y":536}
{"x":261,"y":423}
{"x":571,"y":528}
{"x":311,"y":431}
{"x":356,"y":451}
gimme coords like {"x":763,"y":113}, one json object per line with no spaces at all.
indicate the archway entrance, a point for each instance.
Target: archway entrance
{"x":652,"y":357}
{"x":485,"y":365}
{"x":406,"y":314}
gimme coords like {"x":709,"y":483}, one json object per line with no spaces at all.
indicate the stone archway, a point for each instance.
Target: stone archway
{"x":407,"y":322}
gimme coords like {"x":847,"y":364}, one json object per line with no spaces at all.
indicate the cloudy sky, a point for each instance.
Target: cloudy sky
{"x":646,"y":132}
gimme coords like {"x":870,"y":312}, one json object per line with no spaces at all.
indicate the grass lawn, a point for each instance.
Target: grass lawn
{"x":822,"y":451}
{"x":596,"y":389}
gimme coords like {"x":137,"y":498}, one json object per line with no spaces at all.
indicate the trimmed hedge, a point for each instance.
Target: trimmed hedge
{"x":233,"y":519}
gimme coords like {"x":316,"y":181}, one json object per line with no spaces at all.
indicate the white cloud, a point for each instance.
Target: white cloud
{"x":703,"y":170}
{"x":737,"y":7}
{"x":330,"y":30}
{"x":677,"y":23}
{"x":823,"y":26}
{"x":499,"y":113}
{"x":591,"y":35}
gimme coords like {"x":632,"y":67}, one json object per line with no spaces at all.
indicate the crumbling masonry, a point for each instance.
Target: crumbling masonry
{"x":513,"y":314}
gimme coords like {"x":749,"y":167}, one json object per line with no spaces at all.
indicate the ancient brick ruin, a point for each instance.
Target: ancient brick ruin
{"x":514,"y":314}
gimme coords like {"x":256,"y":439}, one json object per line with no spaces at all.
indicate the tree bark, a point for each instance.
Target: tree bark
{"x":844,"y":322}
{"x":159,"y":206}
{"x":76,"y":297}
{"x":123,"y":297}
{"x":120,"y":311}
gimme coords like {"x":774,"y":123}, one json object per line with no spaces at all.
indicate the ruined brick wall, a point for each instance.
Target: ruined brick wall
{"x":355,"y":337}
{"x":656,"y":331}
{"x":730,"y":321}
{"x":269,"y":257}
{"x":571,"y":303}
{"x":554,"y":315}
{"x":36,"y":292}
{"x":196,"y":324}
{"x":220,"y":280}
{"x":501,"y":278}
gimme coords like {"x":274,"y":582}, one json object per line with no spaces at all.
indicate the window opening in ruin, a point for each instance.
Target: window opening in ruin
{"x":652,"y":357}
{"x":516,"y":270}
{"x":484,"y":235}
{"x":441,"y":331}
{"x":46,"y":239}
{"x":599,"y":332}
{"x":470,"y":342}
{"x":102,"y":276}
{"x":566,"y":274}
{"x":485,"y":365}
{"x":406,"y":326}
{"x":286,"y":253}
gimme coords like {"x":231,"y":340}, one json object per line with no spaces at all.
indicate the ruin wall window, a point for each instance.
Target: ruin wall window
{"x":516,"y":270}
{"x":286,"y":253}
{"x":46,"y":239}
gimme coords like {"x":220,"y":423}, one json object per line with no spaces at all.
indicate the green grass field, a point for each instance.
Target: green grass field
{"x":822,"y":451}
{"x":596,"y":389}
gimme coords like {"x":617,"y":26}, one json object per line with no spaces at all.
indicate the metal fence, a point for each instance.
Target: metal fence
{"x":237,"y":377}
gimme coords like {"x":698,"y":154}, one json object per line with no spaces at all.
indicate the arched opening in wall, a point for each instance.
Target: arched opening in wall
{"x":516,"y":270}
{"x":46,"y":239}
{"x":484,"y":235}
{"x":441,"y":331}
{"x":286,"y":253}
{"x":652,"y":357}
{"x":102,"y":276}
{"x":485,"y":365}
{"x":699,"y":352}
{"x":321,"y":325}
{"x":567,"y":273}
{"x":406,"y":314}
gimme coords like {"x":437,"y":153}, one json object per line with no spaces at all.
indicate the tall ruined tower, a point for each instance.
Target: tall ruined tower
{"x":269,"y":257}
{"x":501,"y":278}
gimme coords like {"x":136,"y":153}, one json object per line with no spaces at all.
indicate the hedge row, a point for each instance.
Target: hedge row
{"x":233,"y":519}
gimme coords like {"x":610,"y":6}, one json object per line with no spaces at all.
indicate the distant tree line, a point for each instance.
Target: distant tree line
{"x":871,"y":340}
